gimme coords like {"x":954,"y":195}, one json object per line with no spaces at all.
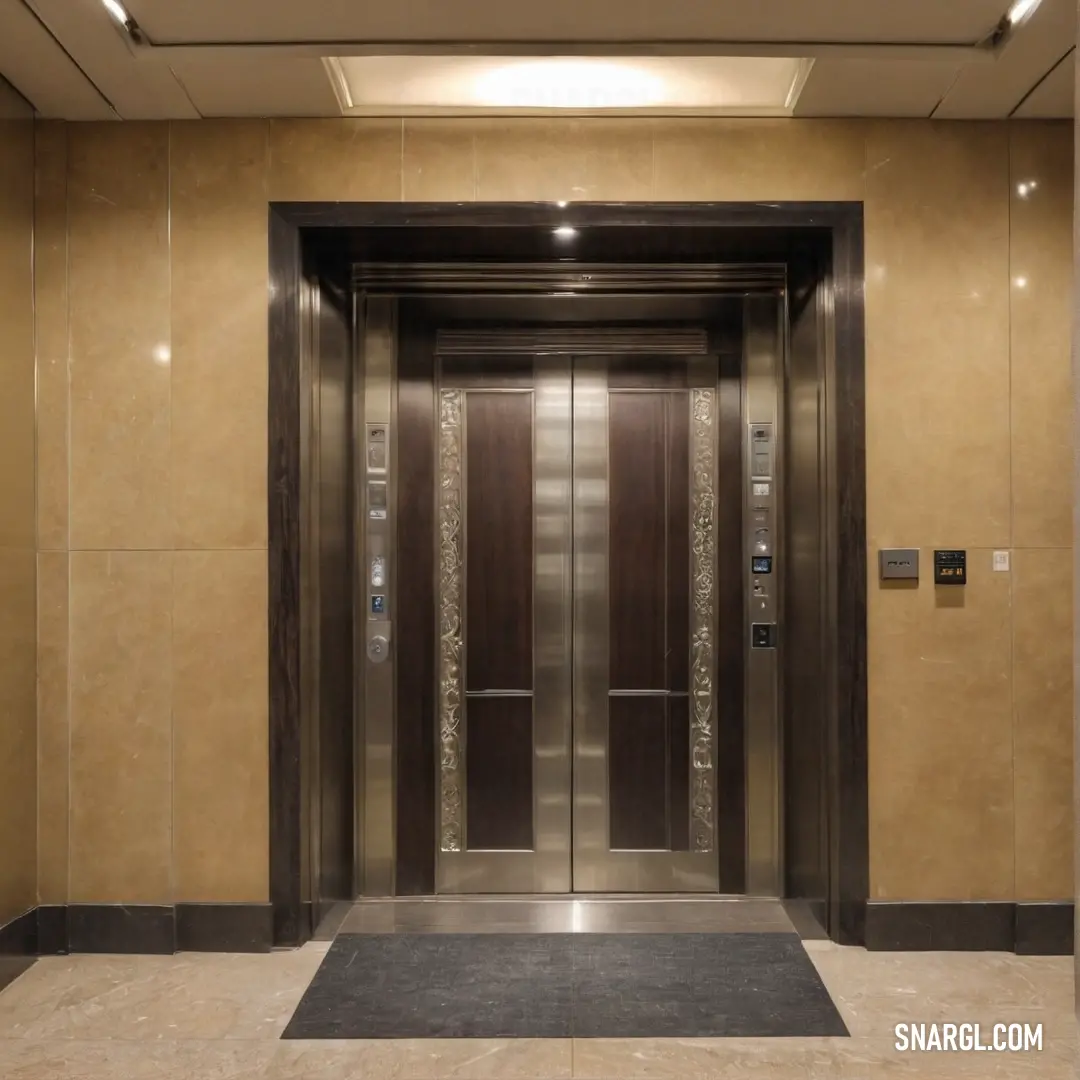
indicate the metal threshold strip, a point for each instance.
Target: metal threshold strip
{"x":567,"y":277}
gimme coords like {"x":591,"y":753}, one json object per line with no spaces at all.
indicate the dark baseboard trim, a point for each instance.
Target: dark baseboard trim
{"x":970,"y":926}
{"x":1044,"y":929}
{"x":52,"y":927}
{"x":57,"y":929}
{"x":117,"y":928}
{"x":224,"y":927}
{"x":20,"y":936}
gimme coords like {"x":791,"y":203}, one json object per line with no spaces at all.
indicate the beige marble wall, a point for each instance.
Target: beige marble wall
{"x":968,"y":427}
{"x":18,"y":833}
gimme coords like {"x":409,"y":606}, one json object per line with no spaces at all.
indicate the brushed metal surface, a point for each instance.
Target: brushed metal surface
{"x":584,"y":278}
{"x":378,"y":340}
{"x":762,"y":372}
{"x":568,"y":915}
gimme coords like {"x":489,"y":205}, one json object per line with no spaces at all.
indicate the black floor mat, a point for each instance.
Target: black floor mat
{"x":419,"y":986}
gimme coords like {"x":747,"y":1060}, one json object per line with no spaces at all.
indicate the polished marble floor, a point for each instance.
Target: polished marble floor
{"x":218,"y":1017}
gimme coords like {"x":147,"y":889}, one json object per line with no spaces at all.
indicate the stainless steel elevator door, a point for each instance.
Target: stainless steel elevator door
{"x":577,"y":624}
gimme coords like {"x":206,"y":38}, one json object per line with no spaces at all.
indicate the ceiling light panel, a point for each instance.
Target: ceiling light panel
{"x":438,"y":85}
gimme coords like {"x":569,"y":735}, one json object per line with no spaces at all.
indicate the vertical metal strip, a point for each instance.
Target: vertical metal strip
{"x":761,"y":374}
{"x":379,"y":817}
{"x":703,"y":628}
{"x":553,"y":624}
{"x":591,"y":624}
{"x":451,"y":640}
{"x":359,"y":594}
{"x":309,"y":588}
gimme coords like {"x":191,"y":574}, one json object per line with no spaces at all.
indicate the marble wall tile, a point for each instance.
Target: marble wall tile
{"x":531,"y":159}
{"x":120,"y":343}
{"x":121,"y":730}
{"x":1043,"y":735}
{"x":937,"y":324}
{"x":53,"y":748}
{"x":755,"y":160}
{"x":168,"y":451}
{"x":1041,"y":275}
{"x":940,"y":739}
{"x":218,"y":181}
{"x":17,"y":343}
{"x":345,"y":160}
{"x":18,"y":736}
{"x":439,"y":161}
{"x":221,"y":801}
{"x":51,"y":331}
{"x":18,"y":601}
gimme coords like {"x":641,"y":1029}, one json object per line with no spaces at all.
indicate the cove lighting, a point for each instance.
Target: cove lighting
{"x":1021,"y":10}
{"x":117,"y":11}
{"x":664,"y":85}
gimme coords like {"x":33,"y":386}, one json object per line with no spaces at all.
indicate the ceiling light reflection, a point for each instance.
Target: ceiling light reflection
{"x":565,"y":232}
{"x":1026,"y":187}
{"x":1020,"y":10}
{"x":117,"y":11}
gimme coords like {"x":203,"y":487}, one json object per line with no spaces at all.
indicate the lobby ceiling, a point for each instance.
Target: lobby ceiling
{"x":71,"y":59}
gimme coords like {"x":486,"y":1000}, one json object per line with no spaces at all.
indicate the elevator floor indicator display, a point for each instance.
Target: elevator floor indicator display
{"x":950,"y":567}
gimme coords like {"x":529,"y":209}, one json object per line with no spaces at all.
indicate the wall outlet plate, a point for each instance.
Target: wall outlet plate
{"x":1001,"y":562}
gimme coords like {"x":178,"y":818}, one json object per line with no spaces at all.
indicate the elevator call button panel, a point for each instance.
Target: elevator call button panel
{"x":950,"y":567}
{"x":761,"y":451}
{"x":376,"y":448}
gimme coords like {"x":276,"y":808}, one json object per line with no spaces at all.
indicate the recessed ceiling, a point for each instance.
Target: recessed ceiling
{"x":917,"y":58}
{"x":232,"y":21}
{"x":715,"y":85}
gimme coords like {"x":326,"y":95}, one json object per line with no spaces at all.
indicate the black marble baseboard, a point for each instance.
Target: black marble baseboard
{"x":54,"y":930}
{"x":121,"y":928}
{"x":18,"y":947}
{"x":970,"y":926}
{"x":20,"y":936}
{"x":52,"y":927}
{"x":1044,"y":929}
{"x":224,"y":928}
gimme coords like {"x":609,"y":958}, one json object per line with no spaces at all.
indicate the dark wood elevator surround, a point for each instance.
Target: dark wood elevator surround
{"x":825,"y":237}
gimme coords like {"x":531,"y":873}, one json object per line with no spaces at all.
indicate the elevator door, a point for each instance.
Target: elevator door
{"x":577,"y":623}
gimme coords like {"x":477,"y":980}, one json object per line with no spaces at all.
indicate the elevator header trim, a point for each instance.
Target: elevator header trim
{"x":573,"y":340}
{"x":567,"y":277}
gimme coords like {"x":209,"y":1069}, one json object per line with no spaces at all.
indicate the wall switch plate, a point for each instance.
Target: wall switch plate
{"x":1001,"y":562}
{"x":898,"y":564}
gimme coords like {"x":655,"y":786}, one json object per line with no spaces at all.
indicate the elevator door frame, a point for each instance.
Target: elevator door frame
{"x":821,"y":244}
{"x":756,"y":868}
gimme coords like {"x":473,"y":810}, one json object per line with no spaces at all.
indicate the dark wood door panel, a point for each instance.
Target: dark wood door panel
{"x":637,"y":474}
{"x":499,"y":540}
{"x":499,"y":773}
